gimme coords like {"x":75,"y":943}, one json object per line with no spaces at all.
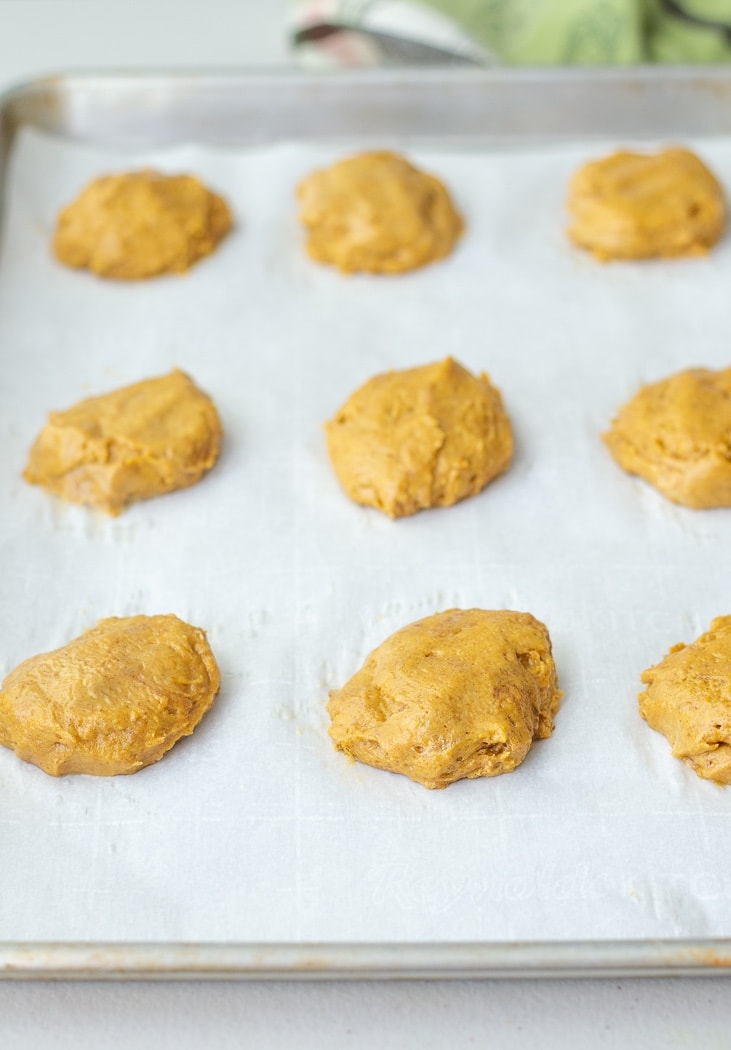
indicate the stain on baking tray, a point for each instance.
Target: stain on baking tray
{"x":705,"y":957}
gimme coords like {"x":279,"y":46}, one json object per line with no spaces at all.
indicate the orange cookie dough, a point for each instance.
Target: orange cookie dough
{"x":418,"y":438}
{"x":463,"y":693}
{"x":377,"y":213}
{"x":688,"y":700}
{"x":140,"y":441}
{"x":640,"y":206}
{"x":111,"y":701}
{"x":676,"y":434}
{"x":140,"y":224}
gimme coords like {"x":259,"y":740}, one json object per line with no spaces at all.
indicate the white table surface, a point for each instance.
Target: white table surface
{"x":42,"y":36}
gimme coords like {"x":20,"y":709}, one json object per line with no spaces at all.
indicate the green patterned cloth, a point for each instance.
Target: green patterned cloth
{"x":532,"y":32}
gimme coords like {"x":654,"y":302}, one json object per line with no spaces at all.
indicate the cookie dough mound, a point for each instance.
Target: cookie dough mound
{"x":376,"y":213}
{"x":140,"y":224}
{"x":418,"y":438}
{"x":131,"y":444}
{"x":640,"y":206}
{"x":111,"y":701}
{"x":688,"y":700}
{"x":461,"y":694}
{"x":676,"y":434}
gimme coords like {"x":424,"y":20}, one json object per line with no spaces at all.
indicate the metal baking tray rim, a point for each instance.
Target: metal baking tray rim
{"x":495,"y":105}
{"x":134,"y":961}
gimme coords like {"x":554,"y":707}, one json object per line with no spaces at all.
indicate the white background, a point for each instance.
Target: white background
{"x":40,"y":36}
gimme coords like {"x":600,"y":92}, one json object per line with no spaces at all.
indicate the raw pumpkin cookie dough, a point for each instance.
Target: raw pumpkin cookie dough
{"x":676,"y":434}
{"x":461,"y":694}
{"x":140,"y":224}
{"x":418,"y":438}
{"x":688,"y":700}
{"x":113,"y":700}
{"x":131,"y":444}
{"x":641,"y":205}
{"x":377,"y":213}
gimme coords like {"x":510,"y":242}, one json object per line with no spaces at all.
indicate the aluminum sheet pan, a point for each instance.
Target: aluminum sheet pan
{"x":473,"y":110}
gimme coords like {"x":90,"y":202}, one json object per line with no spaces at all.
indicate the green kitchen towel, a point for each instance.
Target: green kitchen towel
{"x":515,"y":32}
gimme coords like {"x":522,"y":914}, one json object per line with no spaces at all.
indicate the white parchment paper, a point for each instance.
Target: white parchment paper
{"x":255,"y":828}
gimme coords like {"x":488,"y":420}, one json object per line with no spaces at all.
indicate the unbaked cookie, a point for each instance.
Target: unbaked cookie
{"x":111,"y":701}
{"x":140,"y":441}
{"x":676,"y":434}
{"x":140,"y":224}
{"x":688,"y":700}
{"x":461,"y":694}
{"x":377,"y":213}
{"x":641,"y":205}
{"x":418,"y":438}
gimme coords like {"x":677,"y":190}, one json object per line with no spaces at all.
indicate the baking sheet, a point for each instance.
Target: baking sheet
{"x":254,"y":829}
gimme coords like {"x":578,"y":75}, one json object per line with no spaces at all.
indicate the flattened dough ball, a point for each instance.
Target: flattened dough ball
{"x":688,"y":700}
{"x":461,"y":694}
{"x":377,"y":213}
{"x":641,"y":205}
{"x":113,"y":700}
{"x":418,"y":438}
{"x":131,"y":444}
{"x":676,"y":434}
{"x":140,"y":224}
